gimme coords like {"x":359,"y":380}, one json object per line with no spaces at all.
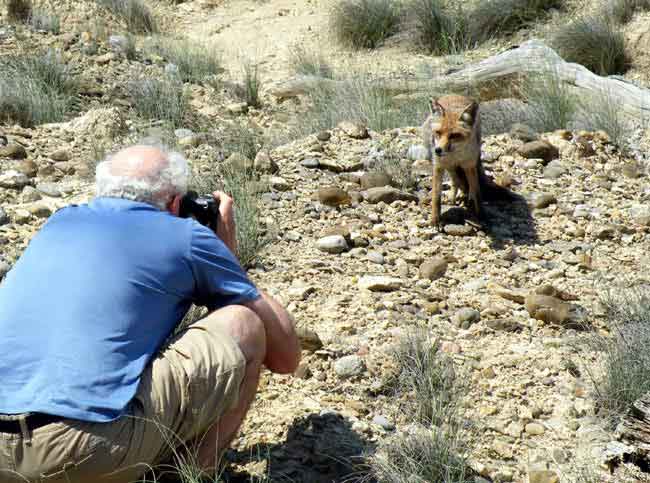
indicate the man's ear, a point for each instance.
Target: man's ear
{"x":436,"y":109}
{"x":469,"y":113}
{"x":174,"y":205}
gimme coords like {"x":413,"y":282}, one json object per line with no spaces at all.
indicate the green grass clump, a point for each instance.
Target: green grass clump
{"x":364,"y":24}
{"x":600,"y":112}
{"x":196,"y":61}
{"x":550,"y":102}
{"x":252,"y":83}
{"x":35,"y":89}
{"x":19,"y":10}
{"x":306,"y":62}
{"x":441,"y":30}
{"x":160,"y":99}
{"x":593,"y":41}
{"x":46,"y":21}
{"x":134,"y":13}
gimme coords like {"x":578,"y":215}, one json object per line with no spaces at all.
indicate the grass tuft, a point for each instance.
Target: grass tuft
{"x":160,"y":99}
{"x":135,"y":14}
{"x":196,"y":61}
{"x":306,"y":62}
{"x":45,"y":21}
{"x":601,"y":112}
{"x":623,"y":10}
{"x":364,"y":24}
{"x":593,"y":41}
{"x":19,"y":10}
{"x":550,"y":102}
{"x":440,"y":30}
{"x":35,"y":89}
{"x":252,"y":83}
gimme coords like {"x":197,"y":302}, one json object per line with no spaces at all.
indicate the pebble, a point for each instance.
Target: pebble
{"x":13,"y":179}
{"x":332,"y":244}
{"x":349,"y":366}
{"x":466,"y":316}
{"x":311,"y":163}
{"x":458,"y":230}
{"x":433,"y":269}
{"x":49,"y":189}
{"x":13,"y":151}
{"x":383,"y":421}
{"x":534,"y":429}
{"x":375,"y":257}
{"x":61,"y":154}
{"x":378,"y":283}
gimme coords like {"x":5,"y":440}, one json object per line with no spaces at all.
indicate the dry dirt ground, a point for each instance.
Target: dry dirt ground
{"x":585,"y":228}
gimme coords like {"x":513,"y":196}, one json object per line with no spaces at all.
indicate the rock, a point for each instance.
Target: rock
{"x":61,"y":154}
{"x":40,"y":210}
{"x":554,"y":170}
{"x":504,"y":325}
{"x":100,"y":123}
{"x":354,"y":130}
{"x":22,"y":216}
{"x":388,"y":195}
{"x":433,"y":269}
{"x":191,"y":141}
{"x":28,"y":168}
{"x":13,"y":151}
{"x":417,"y":152}
{"x":523,"y":132}
{"x":333,"y":196}
{"x":239,"y":163}
{"x":548,"y":309}
{"x":383,"y":422}
{"x":13,"y":179}
{"x":543,"y":476}
{"x":376,"y":257}
{"x":458,"y":230}
{"x":332,"y":244}
{"x":4,"y":218}
{"x":542,"y":200}
{"x":237,"y":107}
{"x":49,"y":189}
{"x":309,"y":340}
{"x":640,"y":214}
{"x":539,"y":149}
{"x":4,"y":269}
{"x":379,"y":283}
{"x":30,"y":194}
{"x":181,"y":133}
{"x":467,"y":316}
{"x":375,"y":179}
{"x":118,"y":43}
{"x":631,"y":170}
{"x":534,"y":429}
{"x":106,"y":58}
{"x":311,"y":163}
{"x":264,"y":164}
{"x":349,"y":366}
{"x":279,"y":184}
{"x":323,"y":136}
{"x":421,"y":167}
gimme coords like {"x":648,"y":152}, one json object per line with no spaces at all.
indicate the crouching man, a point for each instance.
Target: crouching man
{"x":89,"y":390}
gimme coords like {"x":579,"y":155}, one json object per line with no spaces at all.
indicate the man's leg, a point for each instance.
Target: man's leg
{"x":248,"y":331}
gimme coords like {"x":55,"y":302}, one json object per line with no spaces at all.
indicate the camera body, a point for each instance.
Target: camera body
{"x":204,"y":209}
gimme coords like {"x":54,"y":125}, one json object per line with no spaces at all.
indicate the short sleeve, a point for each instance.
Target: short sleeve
{"x":219,"y":278}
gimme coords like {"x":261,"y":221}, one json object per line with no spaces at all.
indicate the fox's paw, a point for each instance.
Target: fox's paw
{"x":435,"y":222}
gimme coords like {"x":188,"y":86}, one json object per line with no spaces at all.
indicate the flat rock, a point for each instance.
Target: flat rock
{"x":333,"y":196}
{"x":332,"y":244}
{"x":349,"y":366}
{"x":375,"y":179}
{"x":640,"y":214}
{"x":49,"y":189}
{"x":13,"y":179}
{"x":539,"y":149}
{"x":388,"y":195}
{"x":13,"y":151}
{"x":548,"y":309}
{"x":458,"y":230}
{"x":61,"y":154}
{"x":354,"y":130}
{"x":433,"y":269}
{"x":380,"y":283}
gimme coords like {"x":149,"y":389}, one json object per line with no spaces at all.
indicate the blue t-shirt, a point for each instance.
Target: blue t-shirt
{"x":93,"y":298}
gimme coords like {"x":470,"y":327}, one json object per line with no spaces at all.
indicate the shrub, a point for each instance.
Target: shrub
{"x":243,"y":139}
{"x":19,"y":10}
{"x":550,"y":103}
{"x":307,"y":62}
{"x":43,"y":20}
{"x":252,"y":83}
{"x":364,"y":23}
{"x":35,"y":89}
{"x":623,"y":10}
{"x":195,"y":60}
{"x":502,"y":17}
{"x":135,"y":14}
{"x":440,"y":31}
{"x":625,"y":356}
{"x":160,"y":99}
{"x":593,"y":41}
{"x":600,"y":112}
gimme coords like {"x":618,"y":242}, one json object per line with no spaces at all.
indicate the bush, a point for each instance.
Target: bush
{"x":623,"y":10}
{"x":600,"y":112}
{"x":19,"y":10}
{"x":309,"y":63}
{"x":593,"y":41}
{"x":493,"y":18}
{"x":195,"y":60}
{"x":625,"y":356}
{"x":35,"y":89}
{"x":440,"y":31}
{"x":135,"y":14}
{"x":160,"y":99}
{"x":364,"y":23}
{"x":550,"y":103}
{"x":43,"y":20}
{"x":243,"y":139}
{"x":252,"y":83}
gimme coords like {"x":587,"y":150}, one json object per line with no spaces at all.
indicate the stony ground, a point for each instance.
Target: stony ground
{"x":359,"y":265}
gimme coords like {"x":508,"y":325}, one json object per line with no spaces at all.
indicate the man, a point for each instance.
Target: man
{"x":88,"y":390}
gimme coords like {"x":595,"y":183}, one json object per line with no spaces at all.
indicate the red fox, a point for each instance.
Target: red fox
{"x":452,"y":135}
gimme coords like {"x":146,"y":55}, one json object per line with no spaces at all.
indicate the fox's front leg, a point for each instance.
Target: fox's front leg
{"x":436,"y":194}
{"x":456,"y":183}
{"x":474,"y":189}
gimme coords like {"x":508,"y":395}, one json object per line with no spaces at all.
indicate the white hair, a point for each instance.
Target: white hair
{"x":170,"y":181}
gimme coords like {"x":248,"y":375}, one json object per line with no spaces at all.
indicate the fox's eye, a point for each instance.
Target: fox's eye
{"x":437,"y":133}
{"x":455,"y":136}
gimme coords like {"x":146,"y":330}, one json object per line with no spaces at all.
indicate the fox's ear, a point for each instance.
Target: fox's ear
{"x":469,"y":113}
{"x":435,"y":108}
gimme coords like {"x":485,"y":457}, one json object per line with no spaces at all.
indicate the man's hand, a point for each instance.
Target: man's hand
{"x":226,"y":227}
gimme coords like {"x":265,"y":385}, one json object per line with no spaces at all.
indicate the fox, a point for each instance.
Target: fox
{"x":452,"y":136}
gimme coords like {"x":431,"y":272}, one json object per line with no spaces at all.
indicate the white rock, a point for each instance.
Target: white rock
{"x":332,"y":244}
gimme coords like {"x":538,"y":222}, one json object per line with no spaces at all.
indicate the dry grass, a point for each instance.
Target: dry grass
{"x":19,"y":11}
{"x":441,"y":29}
{"x":307,"y":62}
{"x":134,"y":13}
{"x":624,"y":10}
{"x":161,"y":99}
{"x":364,"y":24}
{"x":195,"y":61}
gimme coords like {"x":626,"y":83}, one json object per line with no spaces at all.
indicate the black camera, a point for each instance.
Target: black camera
{"x":204,"y":209}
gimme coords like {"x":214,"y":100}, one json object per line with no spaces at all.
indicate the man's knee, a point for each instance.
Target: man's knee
{"x":245,"y":327}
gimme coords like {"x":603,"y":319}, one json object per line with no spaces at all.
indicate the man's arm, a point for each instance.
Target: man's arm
{"x":282,"y":344}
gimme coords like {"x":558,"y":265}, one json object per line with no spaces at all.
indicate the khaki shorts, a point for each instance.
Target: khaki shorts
{"x":187,"y":387}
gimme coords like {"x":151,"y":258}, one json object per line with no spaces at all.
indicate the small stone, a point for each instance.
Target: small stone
{"x":523,"y":132}
{"x":542,"y":200}
{"x":61,"y":154}
{"x":631,"y":170}
{"x":606,"y":233}
{"x":191,"y":141}
{"x":49,"y":189}
{"x":640,"y":214}
{"x":333,"y":196}
{"x":13,"y":151}
{"x":458,"y":230}
{"x":383,"y":422}
{"x":118,"y":43}
{"x":237,"y":107}
{"x":311,"y":163}
{"x":466,"y":316}
{"x":375,"y":179}
{"x":30,"y":194}
{"x":349,"y":366}
{"x":309,"y":340}
{"x":105,"y":59}
{"x":40,"y":210}
{"x":488,"y":373}
{"x":388,"y":195}
{"x":332,"y":244}
{"x":22,"y":216}
{"x":181,"y":133}
{"x":539,"y":149}
{"x":279,"y":184}
{"x":323,"y":136}
{"x":417,"y":152}
{"x":376,"y":257}
{"x":543,"y":476}
{"x":534,"y":429}
{"x":433,"y":269}
{"x":28,"y":168}
{"x":13,"y":179}
{"x":548,"y":309}
{"x":264,"y":164}
{"x":378,"y":283}
{"x":354,"y":130}
{"x":554,"y":171}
